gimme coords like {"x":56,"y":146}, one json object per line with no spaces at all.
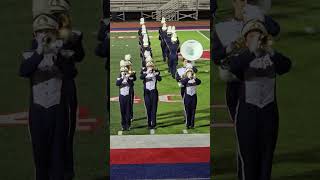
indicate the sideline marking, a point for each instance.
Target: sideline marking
{"x":203,"y":35}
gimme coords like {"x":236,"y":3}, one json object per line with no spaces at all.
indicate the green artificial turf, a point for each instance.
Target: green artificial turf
{"x":169,"y":115}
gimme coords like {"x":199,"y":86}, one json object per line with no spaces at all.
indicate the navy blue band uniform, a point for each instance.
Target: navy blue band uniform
{"x":190,"y":98}
{"x":124,"y":81}
{"x":150,"y":92}
{"x":225,"y":39}
{"x":48,"y":118}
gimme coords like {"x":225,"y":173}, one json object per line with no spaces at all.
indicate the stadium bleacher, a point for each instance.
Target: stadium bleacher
{"x":173,"y":10}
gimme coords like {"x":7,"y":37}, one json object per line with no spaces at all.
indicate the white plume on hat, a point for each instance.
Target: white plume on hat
{"x":127,"y":57}
{"x":146,"y":43}
{"x":59,"y":5}
{"x":174,"y":37}
{"x":143,"y":29}
{"x":44,"y":21}
{"x":149,"y":59}
{"x":150,"y":63}
{"x":188,"y":66}
{"x":173,"y":29}
{"x":123,"y":69}
{"x":169,"y":30}
{"x":163,"y":20}
{"x":122,"y":63}
{"x":146,"y":53}
{"x":127,"y":63}
{"x":164,"y":27}
{"x":141,"y":21}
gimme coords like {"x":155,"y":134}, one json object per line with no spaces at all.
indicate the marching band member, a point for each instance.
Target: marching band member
{"x":142,"y":25}
{"x":146,"y":47}
{"x":48,"y":119}
{"x":143,"y":35}
{"x":257,"y":118}
{"x":125,"y":82}
{"x":73,"y":53}
{"x":226,"y":40}
{"x":132,"y":77}
{"x":181,"y":71}
{"x":150,"y":77}
{"x":190,"y":82}
{"x":173,"y":56}
{"x":162,"y":34}
{"x":167,"y":40}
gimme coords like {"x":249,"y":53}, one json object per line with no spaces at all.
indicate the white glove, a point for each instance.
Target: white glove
{"x":254,"y":44}
{"x":39,"y":38}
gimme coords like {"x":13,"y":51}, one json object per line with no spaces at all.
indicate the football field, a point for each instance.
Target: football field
{"x":170,"y":118}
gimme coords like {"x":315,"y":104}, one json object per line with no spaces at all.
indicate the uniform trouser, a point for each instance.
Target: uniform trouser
{"x":151,"y":105}
{"x":190,"y":104}
{"x":257,"y":131}
{"x":173,"y":62}
{"x":132,"y":102}
{"x":232,"y":98}
{"x":48,"y":130}
{"x":72,"y":105}
{"x":125,"y":104}
{"x":182,"y":91}
{"x":163,"y":48}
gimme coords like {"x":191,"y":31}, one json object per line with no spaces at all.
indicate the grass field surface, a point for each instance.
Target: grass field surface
{"x":169,"y":115}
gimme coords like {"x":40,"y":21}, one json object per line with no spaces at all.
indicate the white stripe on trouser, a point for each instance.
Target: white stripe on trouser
{"x":146,"y":111}
{"x":238,"y":145}
{"x":185,"y":112}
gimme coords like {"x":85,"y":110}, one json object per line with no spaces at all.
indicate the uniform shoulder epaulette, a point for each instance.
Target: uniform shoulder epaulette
{"x":27,"y":54}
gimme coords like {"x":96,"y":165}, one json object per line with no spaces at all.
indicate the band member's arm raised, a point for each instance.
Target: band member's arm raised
{"x":133,"y":77}
{"x":30,"y":62}
{"x":159,"y":78}
{"x":282,"y":63}
{"x":119,"y":81}
{"x":198,"y":81}
{"x":79,"y":53}
{"x":184,"y":81}
{"x":239,"y":63}
{"x":178,"y":77}
{"x":272,"y":26}
{"x":143,"y":76}
{"x":195,"y":70}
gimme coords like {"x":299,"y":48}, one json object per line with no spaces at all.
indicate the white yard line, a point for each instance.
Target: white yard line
{"x":203,"y":35}
{"x":159,"y":141}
